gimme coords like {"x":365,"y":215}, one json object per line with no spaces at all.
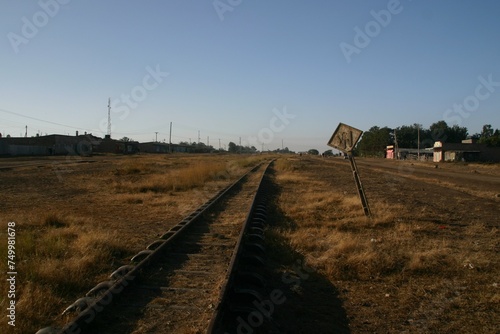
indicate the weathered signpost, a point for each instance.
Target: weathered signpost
{"x":344,"y":139}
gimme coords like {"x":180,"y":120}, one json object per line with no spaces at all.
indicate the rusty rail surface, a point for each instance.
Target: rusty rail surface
{"x":99,"y":298}
{"x":245,"y":284}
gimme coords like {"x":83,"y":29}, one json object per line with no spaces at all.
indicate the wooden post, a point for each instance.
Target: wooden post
{"x":359,"y":185}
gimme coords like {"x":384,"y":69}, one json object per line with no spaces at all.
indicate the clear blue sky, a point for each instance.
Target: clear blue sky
{"x":231,"y":69}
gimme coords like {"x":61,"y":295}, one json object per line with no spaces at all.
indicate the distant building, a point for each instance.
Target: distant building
{"x":108,"y":145}
{"x":408,"y":153}
{"x":390,"y":152}
{"x":87,"y":145}
{"x":153,"y":147}
{"x":84,"y":145}
{"x":48,"y":145}
{"x":158,"y":147}
{"x":468,"y":150}
{"x":177,"y":148}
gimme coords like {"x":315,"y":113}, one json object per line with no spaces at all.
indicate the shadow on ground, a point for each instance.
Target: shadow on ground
{"x":311,"y":302}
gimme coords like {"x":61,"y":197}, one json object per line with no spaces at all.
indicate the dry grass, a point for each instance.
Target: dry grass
{"x":177,"y":180}
{"x":72,"y":233}
{"x":430,"y":272}
{"x":132,"y":167}
{"x":397,"y":272}
{"x":347,"y":244}
{"x":284,"y":165}
{"x":57,"y":258}
{"x":162,"y":179}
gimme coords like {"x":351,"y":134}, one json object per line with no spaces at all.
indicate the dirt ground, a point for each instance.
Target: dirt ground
{"x":426,"y":263}
{"x":89,"y":188}
{"x":449,"y":214}
{"x":78,"y":219}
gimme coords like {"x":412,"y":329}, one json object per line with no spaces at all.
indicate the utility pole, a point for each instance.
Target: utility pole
{"x":418,"y":142}
{"x":282,"y":147}
{"x":170,"y":139}
{"x":396,"y":148}
{"x":156,"y":140}
{"x":199,"y":136}
{"x":219,"y":144}
{"x":26,"y":132}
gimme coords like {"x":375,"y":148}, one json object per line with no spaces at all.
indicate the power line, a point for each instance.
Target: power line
{"x":179,"y":134}
{"x":45,"y":121}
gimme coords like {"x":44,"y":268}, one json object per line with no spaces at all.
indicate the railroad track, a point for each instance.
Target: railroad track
{"x":198,"y":277}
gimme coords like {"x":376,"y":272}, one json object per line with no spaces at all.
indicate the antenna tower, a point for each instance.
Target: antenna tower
{"x":109,"y":117}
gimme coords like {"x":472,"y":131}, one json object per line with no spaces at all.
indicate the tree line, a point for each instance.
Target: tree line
{"x":376,"y":139}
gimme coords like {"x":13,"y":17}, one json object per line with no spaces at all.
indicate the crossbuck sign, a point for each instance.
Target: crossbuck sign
{"x":345,"y":138}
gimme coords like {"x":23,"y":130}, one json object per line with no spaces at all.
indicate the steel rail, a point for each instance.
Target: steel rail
{"x":105,"y":292}
{"x":256,"y":216}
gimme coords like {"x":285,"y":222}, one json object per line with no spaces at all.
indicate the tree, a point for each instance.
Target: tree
{"x":440,"y":131}
{"x":328,"y":153}
{"x":407,"y":135}
{"x":426,"y":139}
{"x":494,"y":140}
{"x":126,"y":139}
{"x":456,"y":134}
{"x":375,"y":141}
{"x":487,"y":131}
{"x":313,"y":151}
{"x":232,"y":147}
{"x":489,"y":137}
{"x":285,"y":150}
